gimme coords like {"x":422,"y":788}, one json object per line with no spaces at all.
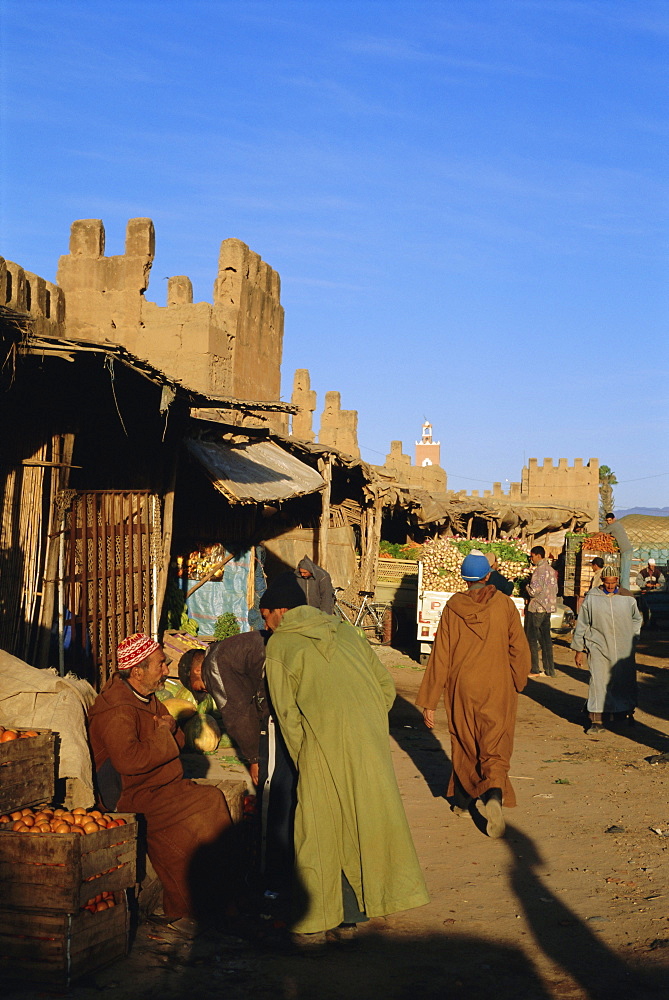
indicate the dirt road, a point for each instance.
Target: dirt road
{"x":573,"y":903}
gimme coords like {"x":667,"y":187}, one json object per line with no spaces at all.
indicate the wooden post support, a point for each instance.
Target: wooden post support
{"x":49,"y":585}
{"x":168,"y":521}
{"x":325,"y":469}
{"x":371,"y":537}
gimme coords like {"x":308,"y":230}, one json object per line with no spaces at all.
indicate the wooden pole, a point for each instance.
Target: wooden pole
{"x":325,"y":469}
{"x":210,"y":574}
{"x":168,"y":526}
{"x":50,"y":582}
{"x":372,"y":537}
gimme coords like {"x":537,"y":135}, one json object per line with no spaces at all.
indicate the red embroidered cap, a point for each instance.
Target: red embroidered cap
{"x":133,"y":650}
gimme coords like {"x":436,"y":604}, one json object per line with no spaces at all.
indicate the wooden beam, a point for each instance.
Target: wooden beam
{"x":210,"y":574}
{"x":49,"y":465}
{"x":50,"y":581}
{"x":371,"y":539}
{"x":168,"y":526}
{"x":325,"y":469}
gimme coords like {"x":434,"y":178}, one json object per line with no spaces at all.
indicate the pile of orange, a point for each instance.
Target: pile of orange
{"x":6,"y":735}
{"x":44,"y":819}
{"x":103,"y":901}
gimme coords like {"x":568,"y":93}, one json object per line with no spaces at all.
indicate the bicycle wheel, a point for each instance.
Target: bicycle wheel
{"x":377,"y":624}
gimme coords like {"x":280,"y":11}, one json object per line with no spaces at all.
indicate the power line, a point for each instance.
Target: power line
{"x":657,"y":476}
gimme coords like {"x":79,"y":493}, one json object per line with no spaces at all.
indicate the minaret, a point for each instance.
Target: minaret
{"x":427,"y":450}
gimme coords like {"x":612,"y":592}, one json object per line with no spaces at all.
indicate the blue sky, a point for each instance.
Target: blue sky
{"x":466,"y":200}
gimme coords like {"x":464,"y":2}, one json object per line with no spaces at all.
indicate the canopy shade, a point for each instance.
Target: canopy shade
{"x":254,"y":471}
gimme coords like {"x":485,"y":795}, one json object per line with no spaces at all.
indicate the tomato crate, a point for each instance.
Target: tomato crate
{"x":55,"y":948}
{"x":61,"y":871}
{"x":27,"y":770}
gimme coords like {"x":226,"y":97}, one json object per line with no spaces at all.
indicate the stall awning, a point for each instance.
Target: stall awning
{"x":254,"y":471}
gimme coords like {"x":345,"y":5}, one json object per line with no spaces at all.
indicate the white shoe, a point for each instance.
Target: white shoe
{"x":496,"y":826}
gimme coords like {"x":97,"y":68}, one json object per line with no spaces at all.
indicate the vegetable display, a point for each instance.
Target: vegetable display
{"x":179,"y":708}
{"x":103,"y":901}
{"x":202,"y":733}
{"x":44,"y":819}
{"x":201,"y":561}
{"x":393,"y":550}
{"x":9,"y":735}
{"x":226,"y":625}
{"x":601,"y":542}
{"x":442,"y":559}
{"x":175,"y":612}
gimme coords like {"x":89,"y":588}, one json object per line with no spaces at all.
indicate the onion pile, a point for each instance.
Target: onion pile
{"x":442,"y":560}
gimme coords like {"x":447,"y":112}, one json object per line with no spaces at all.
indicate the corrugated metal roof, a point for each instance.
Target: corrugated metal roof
{"x":254,"y":471}
{"x":646,"y":529}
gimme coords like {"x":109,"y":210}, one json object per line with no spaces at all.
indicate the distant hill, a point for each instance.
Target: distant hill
{"x":651,"y":511}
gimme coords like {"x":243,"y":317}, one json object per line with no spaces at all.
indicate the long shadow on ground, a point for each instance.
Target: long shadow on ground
{"x":420,"y":744}
{"x":569,"y":942}
{"x":571,"y":708}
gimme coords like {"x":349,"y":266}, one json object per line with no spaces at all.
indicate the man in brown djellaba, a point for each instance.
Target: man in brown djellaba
{"x":479,"y":662}
{"x":136,"y":744}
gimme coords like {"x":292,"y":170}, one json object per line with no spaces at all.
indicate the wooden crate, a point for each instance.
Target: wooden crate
{"x":56,"y":948}
{"x":27,"y":771}
{"x":397,"y":571}
{"x":585,"y":571}
{"x":61,"y":871}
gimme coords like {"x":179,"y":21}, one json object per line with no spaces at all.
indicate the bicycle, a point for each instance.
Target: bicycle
{"x":375,"y":619}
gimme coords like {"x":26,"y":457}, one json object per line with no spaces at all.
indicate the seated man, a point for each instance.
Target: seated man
{"x":650,"y":579}
{"x":133,"y":734}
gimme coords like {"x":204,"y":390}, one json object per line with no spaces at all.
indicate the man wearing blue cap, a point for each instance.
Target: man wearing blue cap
{"x":480,"y":660}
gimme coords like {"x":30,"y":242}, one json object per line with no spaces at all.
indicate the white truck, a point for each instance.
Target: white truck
{"x":431,"y":603}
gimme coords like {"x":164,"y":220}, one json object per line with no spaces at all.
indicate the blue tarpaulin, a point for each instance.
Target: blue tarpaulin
{"x":229,"y":594}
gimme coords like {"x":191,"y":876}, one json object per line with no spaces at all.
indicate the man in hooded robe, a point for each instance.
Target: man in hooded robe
{"x":316,"y":584}
{"x":608,"y":626}
{"x":354,"y":856}
{"x":479,"y":662}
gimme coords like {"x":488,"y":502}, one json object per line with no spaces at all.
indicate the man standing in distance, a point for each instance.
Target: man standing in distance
{"x":542,"y":591}
{"x":479,"y":662}
{"x":608,"y":624}
{"x":617,"y":529}
{"x":316,"y":585}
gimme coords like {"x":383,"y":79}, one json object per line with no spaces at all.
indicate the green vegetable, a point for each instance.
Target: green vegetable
{"x":503,"y":550}
{"x":397,"y":551}
{"x":226,"y":625}
{"x":188,"y":625}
